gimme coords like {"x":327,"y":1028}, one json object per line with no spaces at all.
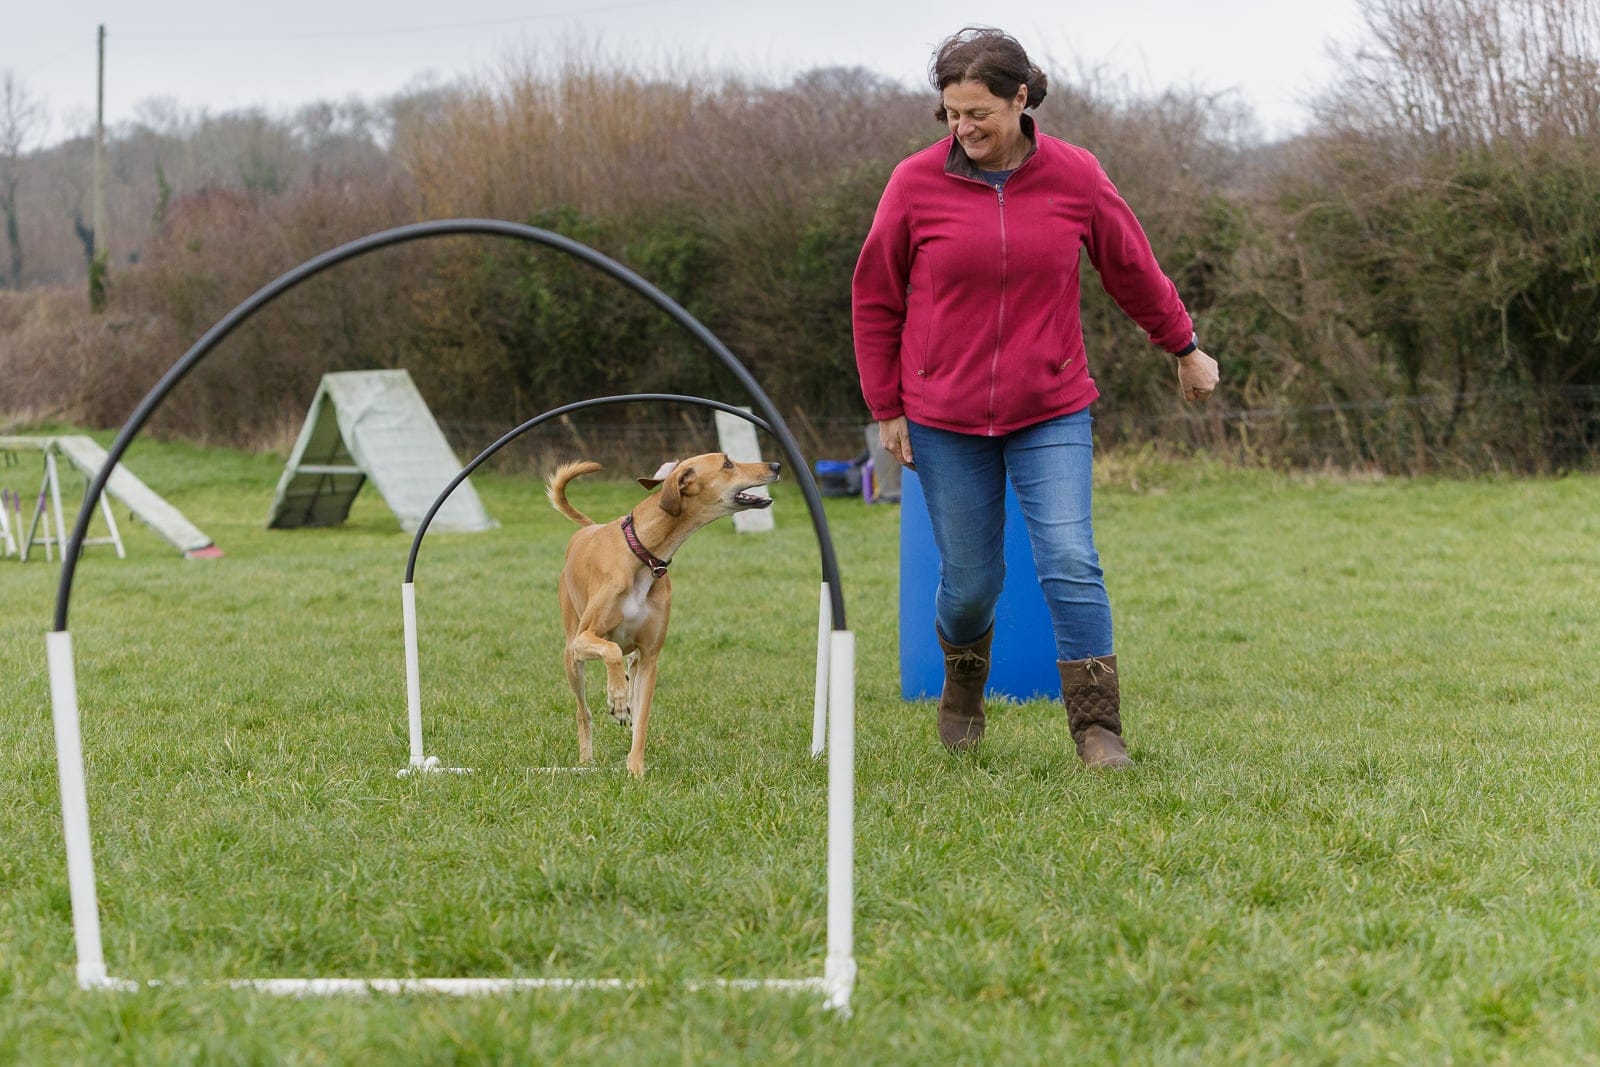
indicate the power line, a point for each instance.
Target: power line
{"x":54,"y":59}
{"x":397,"y":30}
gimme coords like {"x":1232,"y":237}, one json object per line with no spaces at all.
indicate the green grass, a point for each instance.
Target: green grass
{"x":1364,"y":827}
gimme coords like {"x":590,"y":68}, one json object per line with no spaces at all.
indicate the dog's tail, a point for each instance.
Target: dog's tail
{"x":556,"y":488}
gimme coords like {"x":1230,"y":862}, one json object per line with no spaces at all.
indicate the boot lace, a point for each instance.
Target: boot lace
{"x":1091,"y":665}
{"x":965,"y":660}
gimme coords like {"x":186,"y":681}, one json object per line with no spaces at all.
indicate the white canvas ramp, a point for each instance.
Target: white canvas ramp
{"x":125,"y":487}
{"x":373,"y":424}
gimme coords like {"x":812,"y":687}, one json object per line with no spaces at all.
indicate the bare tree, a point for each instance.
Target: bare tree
{"x":20,"y":118}
{"x":1473,"y":72}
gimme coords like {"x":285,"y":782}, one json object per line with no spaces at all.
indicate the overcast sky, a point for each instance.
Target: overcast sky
{"x":226,"y":55}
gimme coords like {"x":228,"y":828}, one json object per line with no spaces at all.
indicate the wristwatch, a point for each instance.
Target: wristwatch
{"x":1193,"y":345}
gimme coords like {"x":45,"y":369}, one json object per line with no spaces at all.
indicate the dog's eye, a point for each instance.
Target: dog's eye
{"x":727,"y":463}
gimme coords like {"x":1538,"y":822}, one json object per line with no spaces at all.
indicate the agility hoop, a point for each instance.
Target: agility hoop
{"x":836,"y":666}
{"x":422,"y":763}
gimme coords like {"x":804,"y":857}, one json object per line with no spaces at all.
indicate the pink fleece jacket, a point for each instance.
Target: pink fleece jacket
{"x":965,"y":300}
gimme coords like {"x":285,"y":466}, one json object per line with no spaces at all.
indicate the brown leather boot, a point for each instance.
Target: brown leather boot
{"x":966,"y":669}
{"x":1089,"y":689}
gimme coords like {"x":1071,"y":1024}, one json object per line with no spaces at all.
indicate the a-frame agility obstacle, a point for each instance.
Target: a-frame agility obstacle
{"x":835,"y":670}
{"x":371,"y":425}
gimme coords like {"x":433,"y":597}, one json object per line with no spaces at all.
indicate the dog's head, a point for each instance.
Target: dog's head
{"x":712,"y":483}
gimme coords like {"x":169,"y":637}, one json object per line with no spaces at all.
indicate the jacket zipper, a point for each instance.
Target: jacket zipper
{"x":1000,"y":319}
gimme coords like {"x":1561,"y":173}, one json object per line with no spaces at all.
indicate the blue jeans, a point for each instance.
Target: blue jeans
{"x":963,"y":479}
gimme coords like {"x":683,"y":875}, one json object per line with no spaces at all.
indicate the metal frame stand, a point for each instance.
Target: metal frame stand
{"x":50,"y":500}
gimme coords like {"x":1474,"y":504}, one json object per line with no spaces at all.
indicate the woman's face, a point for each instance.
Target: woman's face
{"x":988,"y":127}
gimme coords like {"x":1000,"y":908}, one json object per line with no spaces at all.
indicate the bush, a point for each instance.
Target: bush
{"x":1412,"y":285}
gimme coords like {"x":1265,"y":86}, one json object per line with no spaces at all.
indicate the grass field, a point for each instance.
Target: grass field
{"x":1364,"y":826}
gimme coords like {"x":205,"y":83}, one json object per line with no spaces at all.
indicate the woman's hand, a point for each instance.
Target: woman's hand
{"x":1197,"y":375}
{"x":896,"y":440}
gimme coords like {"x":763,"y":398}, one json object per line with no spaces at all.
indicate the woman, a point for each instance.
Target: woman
{"x":970,"y":350}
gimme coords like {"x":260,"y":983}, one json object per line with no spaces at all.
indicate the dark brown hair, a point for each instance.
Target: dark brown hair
{"x":990,"y":56}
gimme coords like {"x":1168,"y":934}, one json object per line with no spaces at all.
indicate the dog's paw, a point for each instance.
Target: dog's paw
{"x":623,"y":715}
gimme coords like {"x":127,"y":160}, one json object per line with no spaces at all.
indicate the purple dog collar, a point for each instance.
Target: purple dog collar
{"x":658,"y":567}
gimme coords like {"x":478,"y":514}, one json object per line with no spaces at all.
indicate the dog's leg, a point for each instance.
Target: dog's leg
{"x":617,"y":689}
{"x":575,"y":677}
{"x":644,"y":690}
{"x":632,"y":662}
{"x":585,"y":720}
{"x":589,"y":645}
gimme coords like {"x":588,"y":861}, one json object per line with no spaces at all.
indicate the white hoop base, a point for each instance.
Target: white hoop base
{"x":835,"y":990}
{"x":432,"y":765}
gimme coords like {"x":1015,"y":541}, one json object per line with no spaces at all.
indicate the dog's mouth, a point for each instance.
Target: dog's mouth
{"x":750,"y":500}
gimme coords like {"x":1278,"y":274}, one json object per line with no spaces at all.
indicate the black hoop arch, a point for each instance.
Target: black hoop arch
{"x":414,"y":232}
{"x":565,"y":409}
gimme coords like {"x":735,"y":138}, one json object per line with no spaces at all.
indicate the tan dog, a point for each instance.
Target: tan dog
{"x":614,"y":590}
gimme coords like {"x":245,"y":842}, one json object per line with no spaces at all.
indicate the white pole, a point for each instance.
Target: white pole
{"x":408,"y":606}
{"x":55,"y":495}
{"x":819,"y":713}
{"x":839,"y":974}
{"x":75,"y":810}
{"x":8,"y":544}
{"x":111,"y":524}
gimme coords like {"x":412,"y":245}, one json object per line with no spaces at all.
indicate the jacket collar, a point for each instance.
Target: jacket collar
{"x":956,"y":161}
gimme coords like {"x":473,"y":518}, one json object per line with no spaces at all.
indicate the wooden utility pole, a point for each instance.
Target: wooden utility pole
{"x":100,"y":254}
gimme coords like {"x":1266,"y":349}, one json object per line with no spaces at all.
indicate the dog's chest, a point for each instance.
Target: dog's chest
{"x":636,"y":610}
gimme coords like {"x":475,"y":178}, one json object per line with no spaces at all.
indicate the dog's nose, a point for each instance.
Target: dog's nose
{"x":775,"y":467}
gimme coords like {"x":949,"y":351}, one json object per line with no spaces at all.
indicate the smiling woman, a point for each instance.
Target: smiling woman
{"x":970,"y":347}
{"x":989,"y":127}
{"x":984,"y":85}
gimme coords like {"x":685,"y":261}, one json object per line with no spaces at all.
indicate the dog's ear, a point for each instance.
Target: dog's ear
{"x":660,"y":475}
{"x":679,"y":485}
